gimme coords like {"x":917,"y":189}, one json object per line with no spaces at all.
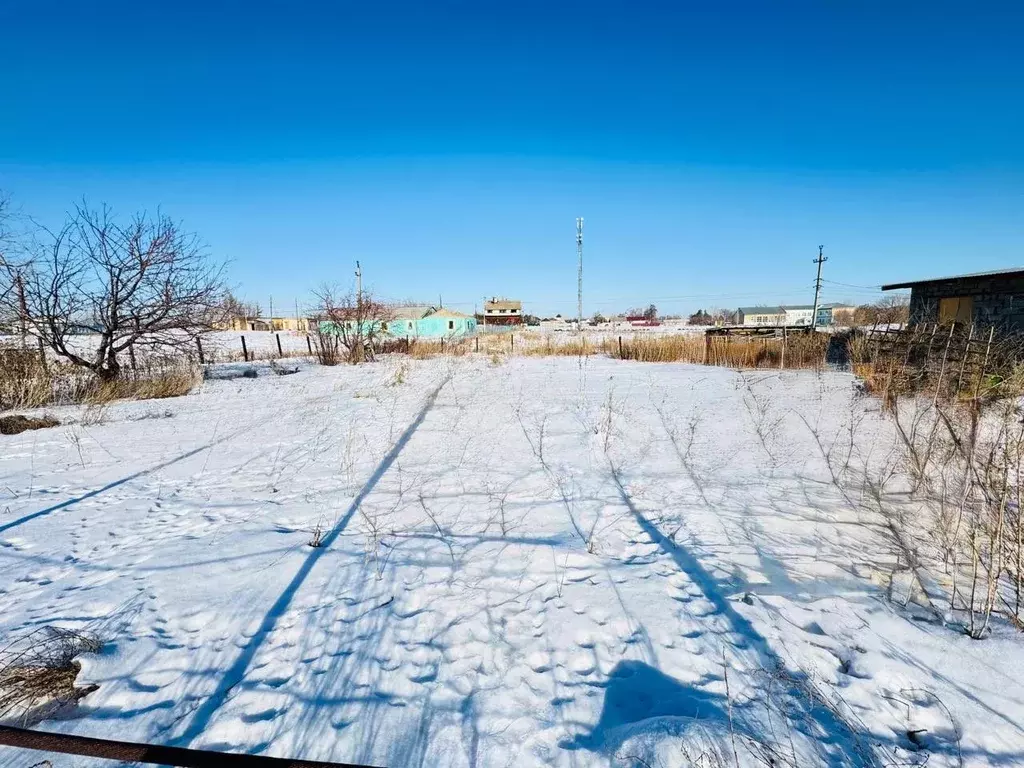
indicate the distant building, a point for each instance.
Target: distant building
{"x":761,"y":316}
{"x":642,"y":321}
{"x":835,"y":314}
{"x":427,"y":322}
{"x":798,"y":315}
{"x":298,"y":324}
{"x":990,"y":299}
{"x":503,"y":312}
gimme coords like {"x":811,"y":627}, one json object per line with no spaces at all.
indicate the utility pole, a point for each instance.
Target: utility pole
{"x":359,"y":287}
{"x":579,"y":276}
{"x":817,"y":286}
{"x":271,"y":313}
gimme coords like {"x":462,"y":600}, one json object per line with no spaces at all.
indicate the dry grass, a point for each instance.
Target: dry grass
{"x":38,"y":671}
{"x":26,"y":383}
{"x":15,"y":425}
{"x":421,"y":350}
{"x":576,"y":347}
{"x":797,"y":351}
{"x":172,"y":383}
{"x":801,"y":350}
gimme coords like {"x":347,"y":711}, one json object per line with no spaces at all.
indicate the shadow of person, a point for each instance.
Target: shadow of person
{"x":643,"y":701}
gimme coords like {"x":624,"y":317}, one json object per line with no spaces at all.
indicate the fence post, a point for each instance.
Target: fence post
{"x":199,"y":346}
{"x":309,"y":345}
{"x":442,"y":345}
{"x":279,"y":352}
{"x":620,"y":347}
{"x":707,"y":347}
{"x":984,"y":365}
{"x":477,"y":343}
{"x":782,"y":357}
{"x":963,"y":361}
{"x":512,"y":342}
{"x":245,"y":352}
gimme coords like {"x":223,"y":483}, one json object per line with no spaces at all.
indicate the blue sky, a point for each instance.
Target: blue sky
{"x":449,"y":147}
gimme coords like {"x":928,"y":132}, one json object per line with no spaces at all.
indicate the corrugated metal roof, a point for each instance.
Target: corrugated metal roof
{"x":762,"y":310}
{"x":993,"y":273}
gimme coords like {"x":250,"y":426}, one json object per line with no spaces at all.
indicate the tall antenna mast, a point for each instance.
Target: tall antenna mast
{"x":579,"y":277}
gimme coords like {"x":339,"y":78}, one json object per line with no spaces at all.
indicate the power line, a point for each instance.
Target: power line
{"x":850,"y":285}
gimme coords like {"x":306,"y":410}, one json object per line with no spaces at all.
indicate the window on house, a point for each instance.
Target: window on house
{"x":956,"y":309}
{"x":451,"y":325}
{"x":503,"y":311}
{"x":383,"y":326}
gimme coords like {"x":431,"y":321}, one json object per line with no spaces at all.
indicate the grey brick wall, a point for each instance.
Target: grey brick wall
{"x":998,"y":301}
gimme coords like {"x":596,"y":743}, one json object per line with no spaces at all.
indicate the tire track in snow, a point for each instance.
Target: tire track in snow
{"x":236,"y":673}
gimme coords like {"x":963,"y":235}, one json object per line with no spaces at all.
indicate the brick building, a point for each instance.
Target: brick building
{"x":985,"y":298}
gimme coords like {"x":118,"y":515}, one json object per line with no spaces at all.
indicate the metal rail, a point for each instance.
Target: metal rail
{"x":127,"y":751}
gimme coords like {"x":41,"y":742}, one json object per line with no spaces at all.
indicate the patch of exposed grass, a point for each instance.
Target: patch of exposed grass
{"x":15,"y":425}
{"x":38,"y":671}
{"x":173,"y":383}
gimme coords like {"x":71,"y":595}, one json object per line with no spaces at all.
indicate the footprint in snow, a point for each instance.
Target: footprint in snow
{"x":538,"y":662}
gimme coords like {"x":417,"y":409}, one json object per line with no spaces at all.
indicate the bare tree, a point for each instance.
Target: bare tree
{"x":352,"y":325}
{"x":8,"y":271}
{"x":233,"y":307}
{"x":887,"y":310}
{"x":146,"y":283}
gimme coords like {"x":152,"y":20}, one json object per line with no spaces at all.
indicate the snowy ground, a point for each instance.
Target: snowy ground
{"x":551,"y":561}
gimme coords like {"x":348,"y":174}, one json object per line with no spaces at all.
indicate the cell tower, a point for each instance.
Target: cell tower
{"x":579,"y":276}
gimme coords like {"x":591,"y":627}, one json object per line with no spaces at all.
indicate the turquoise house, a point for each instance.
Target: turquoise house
{"x":429,"y":323}
{"x":423,"y":323}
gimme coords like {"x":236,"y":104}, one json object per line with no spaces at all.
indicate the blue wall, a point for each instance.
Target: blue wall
{"x":429,"y":327}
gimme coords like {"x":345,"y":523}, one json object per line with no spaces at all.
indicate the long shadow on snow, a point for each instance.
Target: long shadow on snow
{"x":122,"y":481}
{"x":832,"y":731}
{"x":235,"y":674}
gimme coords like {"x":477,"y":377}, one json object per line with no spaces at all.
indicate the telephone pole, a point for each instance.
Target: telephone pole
{"x":359,"y":286}
{"x":817,"y":286}
{"x":579,"y":276}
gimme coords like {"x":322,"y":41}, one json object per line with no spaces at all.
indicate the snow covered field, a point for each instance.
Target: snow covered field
{"x":548,"y":561}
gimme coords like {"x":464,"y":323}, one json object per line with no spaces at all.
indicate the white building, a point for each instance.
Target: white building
{"x":761,"y":315}
{"x":799,"y":315}
{"x":766,"y":315}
